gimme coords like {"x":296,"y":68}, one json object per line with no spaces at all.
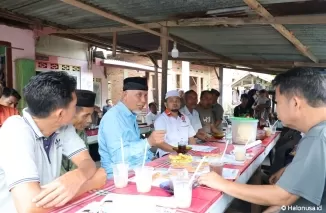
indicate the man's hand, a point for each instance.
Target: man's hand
{"x":60,"y":191}
{"x":212,"y":180}
{"x":156,"y":138}
{"x":276,"y":176}
{"x":202,"y":135}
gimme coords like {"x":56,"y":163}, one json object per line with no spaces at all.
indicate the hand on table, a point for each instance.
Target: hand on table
{"x":60,"y":191}
{"x":156,"y":138}
{"x":212,"y":180}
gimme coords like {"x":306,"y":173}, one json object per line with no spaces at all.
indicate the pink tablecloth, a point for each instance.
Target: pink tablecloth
{"x":202,"y":197}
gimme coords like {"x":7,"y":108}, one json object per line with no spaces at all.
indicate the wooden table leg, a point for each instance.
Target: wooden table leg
{"x":256,"y":179}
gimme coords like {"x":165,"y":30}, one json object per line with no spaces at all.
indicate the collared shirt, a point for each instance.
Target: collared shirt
{"x":119,"y":123}
{"x":151,"y":117}
{"x":68,"y":165}
{"x":23,"y":156}
{"x":177,"y":129}
{"x":193,"y":117}
{"x":305,"y":176}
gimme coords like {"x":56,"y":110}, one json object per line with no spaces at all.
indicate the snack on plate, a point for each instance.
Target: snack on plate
{"x":190,"y":167}
{"x":180,"y":159}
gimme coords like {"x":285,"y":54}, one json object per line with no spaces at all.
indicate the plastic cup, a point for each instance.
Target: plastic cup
{"x":177,"y":174}
{"x":240,"y":153}
{"x":273,"y":129}
{"x":144,"y":178}
{"x":182,"y":192}
{"x":216,"y":166}
{"x":120,"y":175}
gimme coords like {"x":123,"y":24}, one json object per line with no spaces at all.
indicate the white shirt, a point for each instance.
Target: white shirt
{"x":177,"y":129}
{"x":151,"y":117}
{"x":23,"y":157}
{"x":193,"y":117}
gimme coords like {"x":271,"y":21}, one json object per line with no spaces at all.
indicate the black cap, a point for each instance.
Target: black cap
{"x":85,"y":98}
{"x":135,"y":83}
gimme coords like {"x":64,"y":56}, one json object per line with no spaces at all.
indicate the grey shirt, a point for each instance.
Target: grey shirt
{"x":206,"y":117}
{"x":305,"y":176}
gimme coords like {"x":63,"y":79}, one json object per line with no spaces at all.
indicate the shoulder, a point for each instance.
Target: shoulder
{"x":15,"y":122}
{"x":161,"y":117}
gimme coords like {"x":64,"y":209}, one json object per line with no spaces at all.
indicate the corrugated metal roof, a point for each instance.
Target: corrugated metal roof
{"x":313,"y":36}
{"x":139,"y":10}
{"x":246,"y":42}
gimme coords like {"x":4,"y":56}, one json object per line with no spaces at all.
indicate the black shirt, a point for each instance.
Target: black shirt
{"x":240,"y":111}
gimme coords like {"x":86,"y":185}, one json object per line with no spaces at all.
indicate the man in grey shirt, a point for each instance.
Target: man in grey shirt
{"x":301,"y":105}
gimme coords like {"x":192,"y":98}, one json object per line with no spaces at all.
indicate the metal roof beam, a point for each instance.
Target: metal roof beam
{"x":214,"y":21}
{"x":258,"y":8}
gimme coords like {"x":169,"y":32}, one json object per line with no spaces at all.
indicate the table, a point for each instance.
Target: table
{"x":204,"y":199}
{"x":93,"y":139}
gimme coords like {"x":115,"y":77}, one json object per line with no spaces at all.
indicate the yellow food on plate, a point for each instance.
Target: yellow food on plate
{"x":180,"y":158}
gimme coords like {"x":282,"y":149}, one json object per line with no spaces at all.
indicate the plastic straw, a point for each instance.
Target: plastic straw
{"x":122,"y":151}
{"x":224,"y":151}
{"x":247,"y":143}
{"x":196,"y":171}
{"x":145,"y":153}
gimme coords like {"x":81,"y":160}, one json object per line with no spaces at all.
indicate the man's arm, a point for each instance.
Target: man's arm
{"x":86,"y":167}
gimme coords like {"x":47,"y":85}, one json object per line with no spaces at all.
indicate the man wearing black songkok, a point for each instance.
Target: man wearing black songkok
{"x":120,"y":124}
{"x":82,"y":119}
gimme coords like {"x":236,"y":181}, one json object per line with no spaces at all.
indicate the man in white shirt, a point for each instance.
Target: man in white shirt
{"x":152,"y":115}
{"x":176,"y":125}
{"x":191,"y":100}
{"x":32,"y":146}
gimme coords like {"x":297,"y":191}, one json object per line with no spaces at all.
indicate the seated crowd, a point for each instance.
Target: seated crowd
{"x":54,"y":165}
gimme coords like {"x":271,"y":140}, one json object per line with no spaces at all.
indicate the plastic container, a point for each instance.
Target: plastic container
{"x":244,"y":129}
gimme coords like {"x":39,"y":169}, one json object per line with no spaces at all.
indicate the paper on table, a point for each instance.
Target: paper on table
{"x":197,"y":148}
{"x":230,"y":174}
{"x":138,"y":203}
{"x":230,"y":159}
{"x":91,"y":207}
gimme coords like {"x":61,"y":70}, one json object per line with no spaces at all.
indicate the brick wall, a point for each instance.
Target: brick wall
{"x":205,"y":76}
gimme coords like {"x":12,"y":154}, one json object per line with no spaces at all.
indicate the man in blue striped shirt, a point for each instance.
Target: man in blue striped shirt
{"x":120,"y":123}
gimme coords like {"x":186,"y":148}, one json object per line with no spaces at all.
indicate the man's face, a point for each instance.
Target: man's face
{"x":207,"y":100}
{"x":173,"y":104}
{"x":110,"y":102}
{"x":214,"y":98}
{"x":191,"y":100}
{"x":10,"y":101}
{"x":135,"y":100}
{"x":244,"y":101}
{"x":288,"y":110}
{"x":83,"y":118}
{"x":153,"y":108}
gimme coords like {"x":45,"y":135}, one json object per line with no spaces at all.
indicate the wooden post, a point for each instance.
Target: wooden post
{"x":165,"y":55}
{"x":114,"y":44}
{"x":220,"y":72}
{"x":156,"y":96}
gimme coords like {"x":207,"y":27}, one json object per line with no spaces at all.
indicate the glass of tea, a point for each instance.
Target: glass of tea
{"x":182,"y":146}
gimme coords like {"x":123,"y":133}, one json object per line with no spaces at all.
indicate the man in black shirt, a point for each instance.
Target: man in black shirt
{"x":243,"y":110}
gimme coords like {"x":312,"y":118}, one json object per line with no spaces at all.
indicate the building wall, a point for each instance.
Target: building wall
{"x":116,"y":76}
{"x":19,"y":38}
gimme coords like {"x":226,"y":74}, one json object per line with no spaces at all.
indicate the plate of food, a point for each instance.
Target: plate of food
{"x":218,"y":135}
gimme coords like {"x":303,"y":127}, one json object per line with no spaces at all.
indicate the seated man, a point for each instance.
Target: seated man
{"x":119,"y":125}
{"x":152,"y":115}
{"x":191,"y":99}
{"x":218,"y":110}
{"x":204,"y":108}
{"x":243,"y":110}
{"x":10,"y":97}
{"x":32,"y":146}
{"x":82,"y":119}
{"x":176,"y":125}
{"x":6,"y":111}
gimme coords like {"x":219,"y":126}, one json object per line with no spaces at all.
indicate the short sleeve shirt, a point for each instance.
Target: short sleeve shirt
{"x":305,"y":176}
{"x":193,"y":117}
{"x":206,"y":117}
{"x":26,"y":155}
{"x":177,"y":129}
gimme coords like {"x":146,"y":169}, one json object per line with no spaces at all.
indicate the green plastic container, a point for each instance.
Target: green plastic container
{"x":244,"y":130}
